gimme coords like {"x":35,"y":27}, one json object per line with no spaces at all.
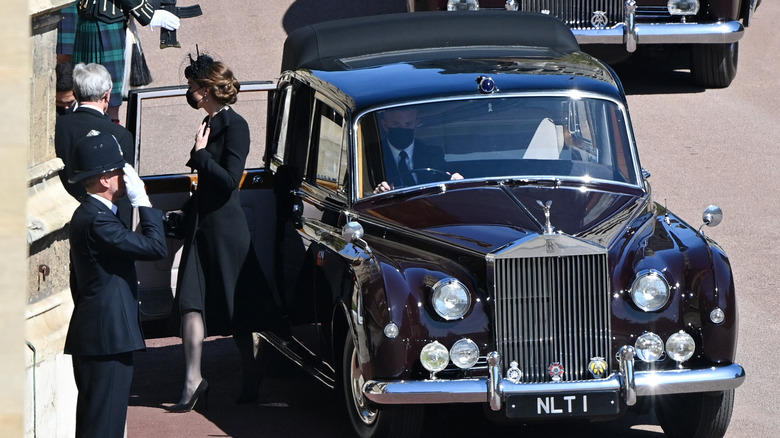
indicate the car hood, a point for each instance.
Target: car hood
{"x":486,"y":218}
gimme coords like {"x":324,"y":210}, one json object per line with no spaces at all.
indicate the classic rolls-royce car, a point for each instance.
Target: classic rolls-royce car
{"x":613,"y":28}
{"x":450,"y":217}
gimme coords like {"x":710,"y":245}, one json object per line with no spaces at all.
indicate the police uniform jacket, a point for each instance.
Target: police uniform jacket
{"x":103,"y":279}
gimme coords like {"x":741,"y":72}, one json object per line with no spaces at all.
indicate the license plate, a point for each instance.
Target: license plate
{"x":563,"y":405}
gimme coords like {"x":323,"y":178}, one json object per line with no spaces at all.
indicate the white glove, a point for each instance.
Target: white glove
{"x":162,"y":18}
{"x":135,"y":188}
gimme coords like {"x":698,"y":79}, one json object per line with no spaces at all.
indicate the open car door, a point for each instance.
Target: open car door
{"x":164,"y":129}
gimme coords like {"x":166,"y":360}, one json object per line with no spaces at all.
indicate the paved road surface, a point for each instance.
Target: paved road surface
{"x":701,"y":146}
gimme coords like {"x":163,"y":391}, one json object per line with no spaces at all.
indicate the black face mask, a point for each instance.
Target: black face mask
{"x":400,"y":138}
{"x":191,"y":99}
{"x":61,"y":110}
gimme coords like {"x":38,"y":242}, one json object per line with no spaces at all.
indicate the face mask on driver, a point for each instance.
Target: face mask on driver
{"x":400,"y":138}
{"x":191,"y":99}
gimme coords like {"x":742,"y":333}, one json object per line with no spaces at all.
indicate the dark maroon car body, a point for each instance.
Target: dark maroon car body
{"x":532,"y":274}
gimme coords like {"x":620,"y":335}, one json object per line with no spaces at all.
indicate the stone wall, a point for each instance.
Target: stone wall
{"x":49,"y":389}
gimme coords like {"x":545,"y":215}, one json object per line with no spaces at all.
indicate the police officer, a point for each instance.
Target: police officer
{"x":105,"y":326}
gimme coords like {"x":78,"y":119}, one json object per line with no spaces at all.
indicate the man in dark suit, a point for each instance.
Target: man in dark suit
{"x":92,"y":88}
{"x":105,"y":326}
{"x":408,"y":162}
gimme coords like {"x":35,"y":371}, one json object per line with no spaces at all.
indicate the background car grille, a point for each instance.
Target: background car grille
{"x":577,"y":14}
{"x":552,"y":309}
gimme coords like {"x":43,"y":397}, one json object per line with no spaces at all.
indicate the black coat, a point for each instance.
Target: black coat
{"x":103,"y":279}
{"x":219,"y":270}
{"x":71,"y":128}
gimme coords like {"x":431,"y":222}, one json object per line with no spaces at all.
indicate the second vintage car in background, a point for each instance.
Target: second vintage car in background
{"x":449,"y":217}
{"x":614,"y":29}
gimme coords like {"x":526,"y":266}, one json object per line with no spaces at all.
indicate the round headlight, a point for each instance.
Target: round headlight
{"x":434,"y":357}
{"x":680,"y":346}
{"x":649,"y":347}
{"x":650,"y":291}
{"x":451,"y":299}
{"x":464,"y":353}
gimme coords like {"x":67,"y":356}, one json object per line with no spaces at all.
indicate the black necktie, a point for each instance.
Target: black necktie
{"x":403,"y":170}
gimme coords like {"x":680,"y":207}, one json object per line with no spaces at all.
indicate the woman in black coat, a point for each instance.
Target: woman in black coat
{"x":219,"y":274}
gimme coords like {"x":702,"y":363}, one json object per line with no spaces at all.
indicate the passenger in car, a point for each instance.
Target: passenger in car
{"x":220,"y":289}
{"x":408,"y":162}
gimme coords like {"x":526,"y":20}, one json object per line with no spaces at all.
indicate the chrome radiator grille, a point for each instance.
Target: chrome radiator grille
{"x":552,"y":309}
{"x":578,"y":14}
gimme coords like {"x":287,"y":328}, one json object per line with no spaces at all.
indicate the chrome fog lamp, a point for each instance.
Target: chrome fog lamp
{"x":683,"y":7}
{"x":464,"y":353}
{"x":717,"y":316}
{"x":680,"y":346}
{"x":650,"y":290}
{"x":450,"y":299}
{"x":649,"y":347}
{"x":434,"y":357}
{"x":462,"y":5}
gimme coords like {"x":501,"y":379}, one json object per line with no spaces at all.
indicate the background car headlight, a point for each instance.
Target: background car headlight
{"x":464,"y":353}
{"x":682,"y":7}
{"x":434,"y":357}
{"x":450,"y":299}
{"x":650,"y":291}
{"x":463,"y":5}
{"x":649,"y":347}
{"x":680,"y":346}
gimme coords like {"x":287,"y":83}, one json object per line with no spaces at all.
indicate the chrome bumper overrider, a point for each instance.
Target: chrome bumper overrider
{"x":494,"y":389}
{"x":630,"y":33}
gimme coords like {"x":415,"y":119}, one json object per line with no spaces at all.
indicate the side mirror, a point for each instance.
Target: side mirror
{"x":352,"y":231}
{"x":712,"y":216}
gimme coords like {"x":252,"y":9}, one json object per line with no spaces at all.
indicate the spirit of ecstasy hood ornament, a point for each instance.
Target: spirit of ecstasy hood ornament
{"x":548,"y":228}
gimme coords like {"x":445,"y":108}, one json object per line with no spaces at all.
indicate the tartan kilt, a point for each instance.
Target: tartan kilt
{"x":66,"y":30}
{"x":102,"y":43}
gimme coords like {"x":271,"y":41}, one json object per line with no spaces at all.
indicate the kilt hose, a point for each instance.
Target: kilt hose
{"x":102,"y":43}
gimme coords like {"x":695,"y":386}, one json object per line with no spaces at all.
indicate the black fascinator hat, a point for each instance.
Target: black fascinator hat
{"x":198,"y":66}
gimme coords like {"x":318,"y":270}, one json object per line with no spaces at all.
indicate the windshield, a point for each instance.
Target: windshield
{"x":513,"y":137}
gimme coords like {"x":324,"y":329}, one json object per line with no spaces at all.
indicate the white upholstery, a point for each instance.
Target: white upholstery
{"x":546,"y":143}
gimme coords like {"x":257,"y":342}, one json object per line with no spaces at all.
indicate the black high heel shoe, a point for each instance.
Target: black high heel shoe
{"x":202,"y":391}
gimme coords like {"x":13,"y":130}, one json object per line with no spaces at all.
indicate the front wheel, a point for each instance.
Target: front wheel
{"x":705,"y":415}
{"x":368,"y":420}
{"x":714,"y":65}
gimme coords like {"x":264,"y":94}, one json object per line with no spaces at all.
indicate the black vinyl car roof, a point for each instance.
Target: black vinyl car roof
{"x":325,"y":46}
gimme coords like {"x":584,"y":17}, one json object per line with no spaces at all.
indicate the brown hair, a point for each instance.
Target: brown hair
{"x":216,"y":76}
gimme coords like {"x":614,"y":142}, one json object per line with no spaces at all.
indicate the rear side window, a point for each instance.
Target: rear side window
{"x":328,"y":140}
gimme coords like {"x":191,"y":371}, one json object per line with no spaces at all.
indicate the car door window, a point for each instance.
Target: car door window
{"x":164,"y":128}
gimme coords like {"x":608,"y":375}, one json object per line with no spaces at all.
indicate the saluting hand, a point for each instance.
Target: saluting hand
{"x":202,"y":136}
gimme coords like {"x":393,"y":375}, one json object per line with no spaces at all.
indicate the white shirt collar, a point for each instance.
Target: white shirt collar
{"x":105,"y":202}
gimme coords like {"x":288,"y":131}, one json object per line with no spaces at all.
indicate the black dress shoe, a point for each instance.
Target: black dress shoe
{"x":202,"y":392}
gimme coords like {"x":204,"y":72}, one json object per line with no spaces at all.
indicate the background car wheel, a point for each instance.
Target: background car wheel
{"x":695,"y":415}
{"x":714,"y":65}
{"x":371,"y":421}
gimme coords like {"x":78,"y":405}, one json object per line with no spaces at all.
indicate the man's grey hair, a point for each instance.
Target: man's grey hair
{"x":90,"y":82}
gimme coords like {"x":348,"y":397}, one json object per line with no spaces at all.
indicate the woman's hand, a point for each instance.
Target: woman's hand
{"x":202,"y":136}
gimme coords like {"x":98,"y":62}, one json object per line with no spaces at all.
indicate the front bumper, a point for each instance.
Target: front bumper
{"x":494,"y":389}
{"x":630,"y":33}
